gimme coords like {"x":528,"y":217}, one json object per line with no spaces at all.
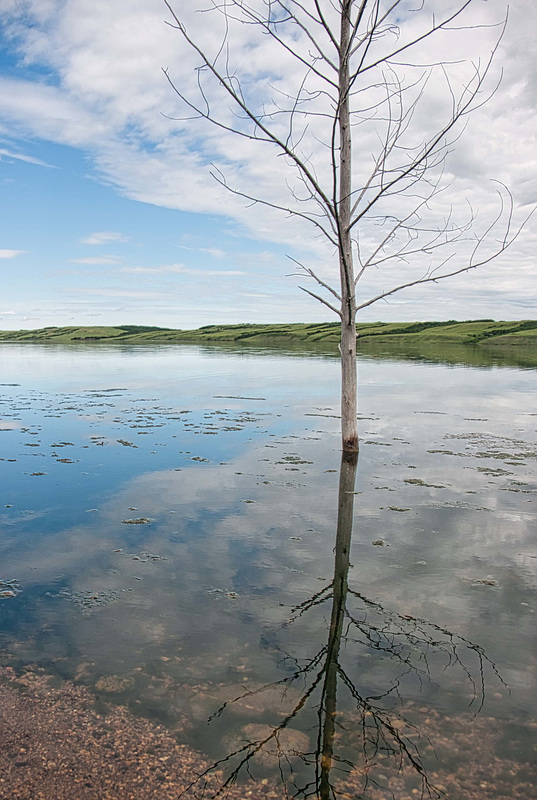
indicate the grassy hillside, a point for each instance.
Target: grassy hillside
{"x":483,"y":332}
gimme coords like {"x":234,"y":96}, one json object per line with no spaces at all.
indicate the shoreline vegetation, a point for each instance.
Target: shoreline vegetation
{"x":502,"y":334}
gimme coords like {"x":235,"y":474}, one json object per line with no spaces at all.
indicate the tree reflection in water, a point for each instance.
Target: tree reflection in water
{"x":371,"y":730}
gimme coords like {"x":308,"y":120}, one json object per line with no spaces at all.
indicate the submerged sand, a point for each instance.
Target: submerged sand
{"x":56,"y":745}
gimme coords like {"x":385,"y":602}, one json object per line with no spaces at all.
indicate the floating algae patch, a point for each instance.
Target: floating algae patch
{"x":499,"y":472}
{"x":88,"y":600}
{"x":143,"y":557}
{"x":419,"y":482}
{"x":461,"y":504}
{"x":488,"y":445}
{"x":293,"y":459}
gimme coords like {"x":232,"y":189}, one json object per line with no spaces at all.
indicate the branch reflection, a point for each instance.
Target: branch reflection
{"x":371,"y":728}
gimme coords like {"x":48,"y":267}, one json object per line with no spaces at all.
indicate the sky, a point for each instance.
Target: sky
{"x":110,"y":212}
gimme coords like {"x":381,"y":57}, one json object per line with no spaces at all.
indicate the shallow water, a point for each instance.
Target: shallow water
{"x":167,"y":530}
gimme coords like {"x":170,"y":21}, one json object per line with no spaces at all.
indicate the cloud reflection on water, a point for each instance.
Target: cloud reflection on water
{"x":242,"y":543}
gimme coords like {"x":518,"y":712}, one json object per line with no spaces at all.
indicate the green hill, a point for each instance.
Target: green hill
{"x":482,"y":332}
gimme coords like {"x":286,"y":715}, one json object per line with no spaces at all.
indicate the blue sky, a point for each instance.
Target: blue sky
{"x":86,"y":254}
{"x":109,"y":214}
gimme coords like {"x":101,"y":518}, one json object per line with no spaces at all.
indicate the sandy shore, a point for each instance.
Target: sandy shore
{"x":55,"y":746}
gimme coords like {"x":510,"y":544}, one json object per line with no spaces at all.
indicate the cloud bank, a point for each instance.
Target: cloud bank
{"x":89,"y":75}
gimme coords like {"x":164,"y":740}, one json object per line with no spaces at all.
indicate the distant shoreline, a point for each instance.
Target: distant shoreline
{"x":503,"y":334}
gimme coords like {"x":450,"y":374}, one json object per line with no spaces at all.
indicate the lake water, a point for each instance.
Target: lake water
{"x":168,"y":523}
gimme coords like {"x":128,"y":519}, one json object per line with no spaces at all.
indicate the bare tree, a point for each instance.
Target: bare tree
{"x":364,"y":162}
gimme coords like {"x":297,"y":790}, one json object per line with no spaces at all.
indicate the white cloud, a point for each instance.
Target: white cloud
{"x":215,"y":252}
{"x":21,"y":157}
{"x":11,"y":253}
{"x":101,"y":291}
{"x":103,"y":237}
{"x":108,"y":96}
{"x":98,"y":260}
{"x":48,"y":113}
{"x":179,"y":269}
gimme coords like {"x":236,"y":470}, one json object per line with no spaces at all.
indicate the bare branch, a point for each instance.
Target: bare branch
{"x":258,"y":123}
{"x":312,"y":274}
{"x":321,"y":300}
{"x":220,"y":178}
{"x":436,"y":274}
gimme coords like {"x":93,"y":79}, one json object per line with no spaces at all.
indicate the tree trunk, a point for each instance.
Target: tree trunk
{"x":347,"y":480}
{"x":349,"y":426}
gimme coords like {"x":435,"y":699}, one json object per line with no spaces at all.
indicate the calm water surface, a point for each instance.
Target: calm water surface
{"x":167,"y":537}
